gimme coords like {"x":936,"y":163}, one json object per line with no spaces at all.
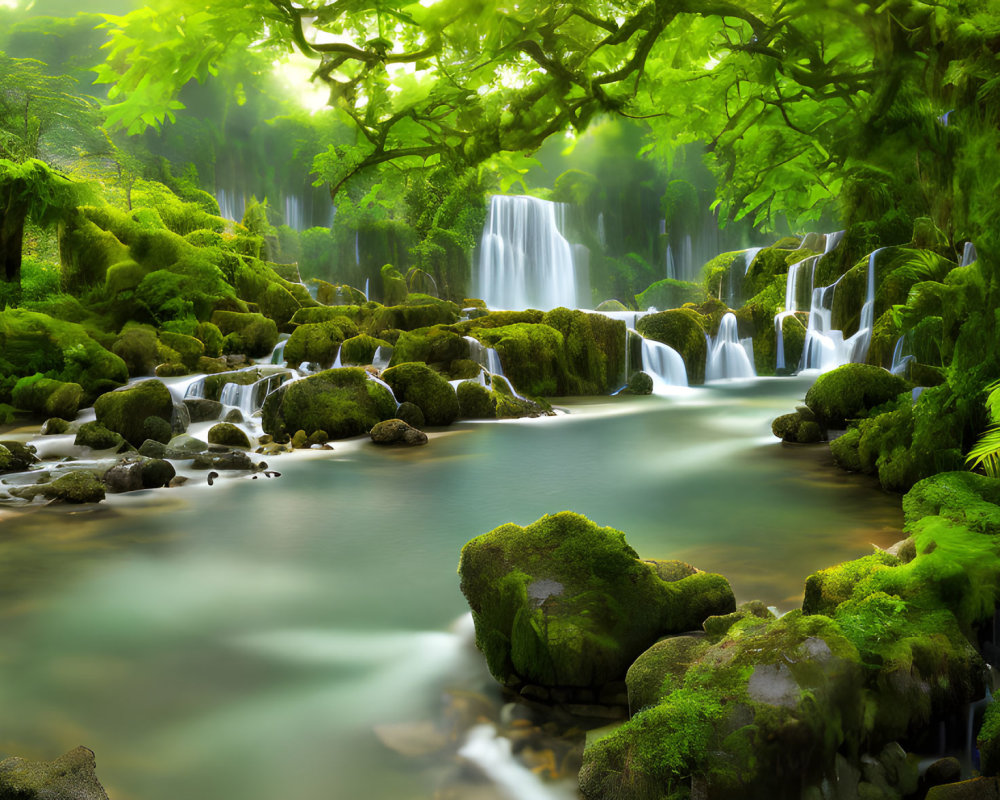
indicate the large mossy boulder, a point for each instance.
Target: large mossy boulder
{"x":138,"y":347}
{"x":126,"y":411}
{"x":252,"y":334}
{"x":565,"y":602}
{"x":669,"y":293}
{"x":683,"y":330}
{"x":418,"y":384}
{"x":965,"y":498}
{"x":31,"y":342}
{"x":75,"y":486}
{"x":361,"y":349}
{"x":48,"y":397}
{"x":593,"y":349}
{"x":342,"y":402}
{"x":70,"y":777}
{"x":758,"y":711}
{"x":851,"y":391}
{"x":318,"y":342}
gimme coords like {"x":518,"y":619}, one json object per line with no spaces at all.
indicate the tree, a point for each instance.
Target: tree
{"x":28,"y":189}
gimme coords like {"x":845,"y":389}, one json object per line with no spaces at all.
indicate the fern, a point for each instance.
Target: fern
{"x":986,"y":453}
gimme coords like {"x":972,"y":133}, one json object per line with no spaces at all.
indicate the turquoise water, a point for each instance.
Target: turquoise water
{"x":242,"y":640}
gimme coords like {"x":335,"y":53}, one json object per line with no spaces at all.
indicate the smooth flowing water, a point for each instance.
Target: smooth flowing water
{"x":246,"y":640}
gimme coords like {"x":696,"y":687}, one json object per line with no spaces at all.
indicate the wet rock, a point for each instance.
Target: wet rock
{"x":180,"y":420}
{"x":157,"y":429}
{"x":125,"y":476}
{"x":234,"y":416}
{"x":795,"y":428}
{"x":639,"y":383}
{"x":97,"y":437}
{"x":16,"y":456}
{"x":157,"y":473}
{"x":202,"y":409}
{"x":54,"y":426}
{"x":411,"y":414}
{"x":233,"y":459}
{"x":395,"y":431}
{"x":975,"y":789}
{"x":227,"y":434}
{"x":126,"y":411}
{"x":69,"y":777}
{"x":942,"y":771}
{"x":75,"y":486}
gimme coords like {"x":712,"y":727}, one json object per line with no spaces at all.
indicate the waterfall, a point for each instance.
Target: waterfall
{"x":294,"y":218}
{"x":735,"y":290}
{"x":901,"y":357}
{"x":357,"y":252}
{"x":524,"y":260}
{"x":728,"y":355}
{"x":671,"y":267}
{"x":602,"y":235}
{"x":384,"y":385}
{"x":232,"y":204}
{"x":791,"y":303}
{"x":249,"y":398}
{"x":968,"y":254}
{"x":662,"y":363}
{"x":337,"y":363}
{"x":379,"y":361}
{"x":832,"y":240}
{"x":486,"y":357}
{"x":825,"y":347}
{"x":494,"y":757}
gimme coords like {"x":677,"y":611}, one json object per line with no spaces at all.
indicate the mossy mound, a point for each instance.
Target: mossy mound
{"x":189,"y":349}
{"x":419,"y":311}
{"x":70,"y":776}
{"x":75,"y":486}
{"x":798,"y":427}
{"x":138,"y":346}
{"x":499,"y":319}
{"x":759,"y":712}
{"x":564,"y":602}
{"x":439,"y":345}
{"x":97,"y":437}
{"x":16,"y":456}
{"x":639,"y":383}
{"x":683,"y":330}
{"x":418,"y":384}
{"x":225,"y":433}
{"x":963,"y":497}
{"x":532,"y":353}
{"x":394,"y":289}
{"x":252,"y":334}
{"x":850,"y":392}
{"x":125,"y":411}
{"x":342,"y":402}
{"x":48,"y":397}
{"x":36,"y":343}
{"x":670,"y":293}
{"x":395,"y":431}
{"x":475,"y":401}
{"x":611,"y":305}
{"x":318,"y":342}
{"x":594,"y":350}
{"x":361,"y":349}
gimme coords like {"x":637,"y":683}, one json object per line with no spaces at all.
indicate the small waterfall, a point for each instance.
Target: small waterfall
{"x":832,"y":240}
{"x":379,"y":361}
{"x":671,"y":266}
{"x":968,"y":254}
{"x":357,"y":255}
{"x":250,"y":398}
{"x":736,"y":282}
{"x":663,"y":364}
{"x":791,"y":302}
{"x":602,"y":235}
{"x":278,"y":353}
{"x":524,"y":260}
{"x":825,"y":347}
{"x":337,"y":364}
{"x":728,"y":355}
{"x":383,"y":384}
{"x":901,"y":356}
{"x":494,"y":757}
{"x":486,"y":357}
{"x":232,"y":204}
{"x":294,"y":218}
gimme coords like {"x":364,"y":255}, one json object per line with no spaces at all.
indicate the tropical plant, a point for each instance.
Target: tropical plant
{"x":985,"y":454}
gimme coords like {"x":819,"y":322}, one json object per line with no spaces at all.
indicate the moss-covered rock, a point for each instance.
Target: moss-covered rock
{"x":988,"y":740}
{"x":225,"y":433}
{"x":17,"y":456}
{"x":594,"y":351}
{"x":411,"y":414}
{"x":188,"y":348}
{"x":564,"y":602}
{"x":639,"y":383}
{"x":318,"y":342}
{"x":418,"y":384}
{"x":395,"y":431}
{"x":137,"y":346}
{"x":797,"y":427}
{"x":75,"y":486}
{"x":252,"y":334}
{"x":48,"y":397}
{"x":532,"y":355}
{"x":683,"y":330}
{"x":95,"y":436}
{"x":394,"y":289}
{"x":475,"y":401}
{"x":611,"y":305}
{"x":965,"y":498}
{"x":72,"y":775}
{"x":125,"y":411}
{"x":438,"y":345}
{"x":669,"y":293}
{"x":361,"y":349}
{"x":851,"y":391}
{"x":342,"y":402}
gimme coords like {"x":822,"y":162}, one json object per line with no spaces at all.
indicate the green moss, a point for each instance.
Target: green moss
{"x":437,"y":345}
{"x":532,"y":355}
{"x":566,"y":602}
{"x":318,"y":342}
{"x":683,"y":330}
{"x":499,"y":319}
{"x":50,"y":398}
{"x":851,"y":391}
{"x":277,"y":303}
{"x":475,"y":401}
{"x":394,"y":289}
{"x":188,"y":348}
{"x":125,"y":411}
{"x":211,"y":337}
{"x":75,"y":486}
{"x":828,"y":588}
{"x":124,"y":276}
{"x":357,"y":314}
{"x":97,"y":437}
{"x":660,"y":670}
{"x":639,"y":383}
{"x":225,"y":433}
{"x":670,"y":293}
{"x":252,"y":334}
{"x":361,"y":349}
{"x":419,"y":311}
{"x":418,"y":384}
{"x":988,"y":740}
{"x":342,"y":402}
{"x":966,"y":498}
{"x":594,"y":348}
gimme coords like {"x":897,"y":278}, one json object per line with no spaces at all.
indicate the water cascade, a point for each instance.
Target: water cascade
{"x":735,"y":288}
{"x":901,"y":356}
{"x":494,"y":757}
{"x":294,"y":218}
{"x":250,"y":398}
{"x":524,"y":260}
{"x":232,"y":204}
{"x":791,"y":301}
{"x":379,"y":360}
{"x":728,"y":355}
{"x":968,"y":254}
{"x":663,"y":364}
{"x":825,"y":347}
{"x":486,"y":357}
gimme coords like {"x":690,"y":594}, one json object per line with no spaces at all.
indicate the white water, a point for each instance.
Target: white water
{"x":729,"y":356}
{"x":379,"y":361}
{"x":294,"y":218}
{"x":663,"y":364}
{"x":232,"y":205}
{"x":901,"y":357}
{"x":524,"y":260}
{"x":968,"y":254}
{"x":494,"y":757}
{"x":250,"y":398}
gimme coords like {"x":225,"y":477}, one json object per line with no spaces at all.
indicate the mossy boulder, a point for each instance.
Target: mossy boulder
{"x":851,"y":391}
{"x":361,"y":349}
{"x":988,"y":740}
{"x":48,"y":397}
{"x":683,"y":330}
{"x":611,"y":305}
{"x":798,"y":427}
{"x":125,"y":411}
{"x":75,"y":486}
{"x":395,"y":431}
{"x":31,"y":342}
{"x":593,"y":350}
{"x":137,"y":346}
{"x":639,"y":382}
{"x":318,"y":342}
{"x":189,"y":349}
{"x":411,"y":414}
{"x":966,"y":498}
{"x":418,"y":384}
{"x":418,"y":311}
{"x":475,"y":401}
{"x":97,"y":437}
{"x":16,"y":456}
{"x":69,"y":777}
{"x":669,"y":293}
{"x":532,"y":353}
{"x":394,"y":289}
{"x":211,"y":338}
{"x":225,"y":433}
{"x":564,"y":602}
{"x":438,"y":345}
{"x":758,"y":712}
{"x":252,"y":334}
{"x":342,"y":402}
{"x":279,"y":304}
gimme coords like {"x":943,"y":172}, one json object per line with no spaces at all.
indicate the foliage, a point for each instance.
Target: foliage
{"x":986,"y":453}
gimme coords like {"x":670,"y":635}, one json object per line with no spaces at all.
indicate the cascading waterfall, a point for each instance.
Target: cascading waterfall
{"x":968,"y":254}
{"x":901,"y":356}
{"x":294,"y":218}
{"x":524,"y":260}
{"x":791,"y":302}
{"x":249,"y":398}
{"x":735,"y":288}
{"x":825,"y":347}
{"x":379,"y":361}
{"x":728,"y":355}
{"x":492,"y":370}
{"x":662,"y":363}
{"x":494,"y":756}
{"x":232,"y":204}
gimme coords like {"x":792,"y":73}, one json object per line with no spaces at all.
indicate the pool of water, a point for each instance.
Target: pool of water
{"x":245,"y":639}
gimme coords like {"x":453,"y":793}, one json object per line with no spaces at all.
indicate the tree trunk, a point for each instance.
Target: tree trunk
{"x":11,"y":241}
